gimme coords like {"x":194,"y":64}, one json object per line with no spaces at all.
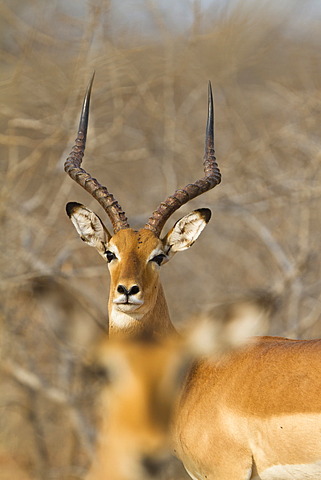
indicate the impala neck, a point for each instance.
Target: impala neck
{"x":155,"y":324}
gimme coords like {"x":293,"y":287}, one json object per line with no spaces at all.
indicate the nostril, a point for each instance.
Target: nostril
{"x":152,"y":465}
{"x":122,"y":289}
{"x":135,"y":289}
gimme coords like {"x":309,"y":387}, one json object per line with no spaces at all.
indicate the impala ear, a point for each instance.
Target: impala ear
{"x":89,"y":226}
{"x":186,"y":231}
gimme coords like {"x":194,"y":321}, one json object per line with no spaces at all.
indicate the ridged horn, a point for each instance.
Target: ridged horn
{"x":184,"y":195}
{"x":90,"y":184}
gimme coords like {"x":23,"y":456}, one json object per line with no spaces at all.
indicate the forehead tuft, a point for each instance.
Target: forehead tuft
{"x":129,"y":239}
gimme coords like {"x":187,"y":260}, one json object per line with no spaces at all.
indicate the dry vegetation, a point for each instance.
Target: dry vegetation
{"x":145,"y":139}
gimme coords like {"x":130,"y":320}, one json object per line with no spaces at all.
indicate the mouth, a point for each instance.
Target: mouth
{"x":127,"y":300}
{"x":127,"y":307}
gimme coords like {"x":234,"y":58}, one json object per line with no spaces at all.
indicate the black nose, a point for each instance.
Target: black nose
{"x":132,"y":291}
{"x":152,"y":465}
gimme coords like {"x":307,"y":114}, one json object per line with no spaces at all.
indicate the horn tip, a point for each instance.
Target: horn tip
{"x":83,"y":123}
{"x":210,"y":94}
{"x":91,"y":80}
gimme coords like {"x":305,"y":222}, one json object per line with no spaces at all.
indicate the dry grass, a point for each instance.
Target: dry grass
{"x":146,"y":135}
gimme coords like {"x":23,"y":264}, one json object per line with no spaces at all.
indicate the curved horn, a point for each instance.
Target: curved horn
{"x":72,"y":167}
{"x":183,"y":195}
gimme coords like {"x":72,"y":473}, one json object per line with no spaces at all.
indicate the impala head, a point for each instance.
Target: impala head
{"x":140,"y":382}
{"x":135,"y":256}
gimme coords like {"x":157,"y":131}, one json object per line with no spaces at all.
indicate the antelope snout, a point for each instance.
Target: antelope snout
{"x":154,"y":465}
{"x":133,"y":290}
{"x":128,"y":296}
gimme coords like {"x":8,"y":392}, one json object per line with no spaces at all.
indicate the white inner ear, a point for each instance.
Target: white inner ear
{"x":91,"y":229}
{"x":185,"y":232}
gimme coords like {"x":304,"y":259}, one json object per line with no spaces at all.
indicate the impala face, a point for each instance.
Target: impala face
{"x":134,"y":259}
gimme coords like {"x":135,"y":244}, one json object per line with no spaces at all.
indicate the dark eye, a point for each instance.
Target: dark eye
{"x":110,"y":256}
{"x":159,"y":259}
{"x":100,"y":373}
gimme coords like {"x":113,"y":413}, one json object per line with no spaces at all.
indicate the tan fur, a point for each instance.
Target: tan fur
{"x":254,"y":409}
{"x":10,"y":468}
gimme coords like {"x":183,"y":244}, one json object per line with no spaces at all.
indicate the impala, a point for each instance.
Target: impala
{"x":253,"y":414}
{"x":140,"y":385}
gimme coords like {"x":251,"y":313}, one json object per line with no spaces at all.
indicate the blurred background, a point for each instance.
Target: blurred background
{"x":153,"y":60}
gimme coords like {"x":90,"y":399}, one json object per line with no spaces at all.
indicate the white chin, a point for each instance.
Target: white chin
{"x":124,"y":315}
{"x":126,"y":307}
